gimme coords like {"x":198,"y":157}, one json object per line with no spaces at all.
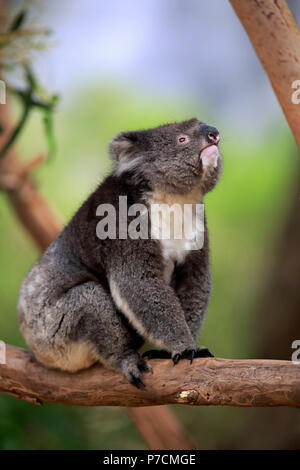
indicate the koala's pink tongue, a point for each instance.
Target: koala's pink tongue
{"x":209,"y":156}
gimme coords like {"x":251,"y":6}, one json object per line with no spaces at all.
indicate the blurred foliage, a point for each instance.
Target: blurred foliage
{"x":30,"y":98}
{"x":20,"y":36}
{"x":31,"y":94}
{"x":245,"y":215}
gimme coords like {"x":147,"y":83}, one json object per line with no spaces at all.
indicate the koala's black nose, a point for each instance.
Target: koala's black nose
{"x":211,"y":134}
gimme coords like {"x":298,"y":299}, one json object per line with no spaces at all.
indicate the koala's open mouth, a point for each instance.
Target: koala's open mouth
{"x":209,"y":155}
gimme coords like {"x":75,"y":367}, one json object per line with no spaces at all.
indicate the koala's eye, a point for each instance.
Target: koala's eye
{"x":183,"y":139}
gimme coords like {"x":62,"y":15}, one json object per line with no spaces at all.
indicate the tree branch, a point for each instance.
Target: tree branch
{"x":36,"y":215}
{"x":275,"y":36}
{"x":210,"y":381}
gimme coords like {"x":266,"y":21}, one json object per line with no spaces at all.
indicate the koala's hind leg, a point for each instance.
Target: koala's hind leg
{"x":85,"y":328}
{"x":109,"y":331}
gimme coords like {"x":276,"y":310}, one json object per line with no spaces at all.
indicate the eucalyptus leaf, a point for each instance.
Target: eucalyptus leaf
{"x":49,"y":134}
{"x":18,"y":21}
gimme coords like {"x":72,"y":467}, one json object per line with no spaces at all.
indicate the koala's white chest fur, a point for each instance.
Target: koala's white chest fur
{"x":173,"y":223}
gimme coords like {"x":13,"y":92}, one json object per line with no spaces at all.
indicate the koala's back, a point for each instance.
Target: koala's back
{"x":66,"y":263}
{"x":40,"y":315}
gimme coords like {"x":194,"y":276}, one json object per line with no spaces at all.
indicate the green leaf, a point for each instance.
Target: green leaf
{"x":49,"y":134}
{"x":18,"y":20}
{"x":31,"y":80}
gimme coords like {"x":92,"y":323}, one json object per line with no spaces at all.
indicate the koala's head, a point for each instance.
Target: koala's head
{"x":175,"y":158}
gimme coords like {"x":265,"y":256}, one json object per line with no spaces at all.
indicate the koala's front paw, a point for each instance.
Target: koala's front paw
{"x":157,"y":354}
{"x":191,"y":354}
{"x":202,"y":351}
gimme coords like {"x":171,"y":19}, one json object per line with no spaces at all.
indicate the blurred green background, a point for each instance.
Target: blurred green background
{"x":245,"y":212}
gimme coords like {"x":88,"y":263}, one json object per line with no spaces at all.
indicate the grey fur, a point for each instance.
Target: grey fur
{"x":89,"y":300}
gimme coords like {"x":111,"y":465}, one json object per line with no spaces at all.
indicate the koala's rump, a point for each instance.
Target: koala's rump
{"x":46,"y":324}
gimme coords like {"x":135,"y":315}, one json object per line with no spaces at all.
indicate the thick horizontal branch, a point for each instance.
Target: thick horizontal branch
{"x":207,"y":381}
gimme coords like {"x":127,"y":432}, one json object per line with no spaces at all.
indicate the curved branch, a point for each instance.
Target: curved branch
{"x":275,"y":36}
{"x":17,"y":130}
{"x":207,"y":381}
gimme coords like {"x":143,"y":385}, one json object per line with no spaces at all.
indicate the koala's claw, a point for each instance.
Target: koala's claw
{"x":203,"y":352}
{"x":157,"y":354}
{"x":135,"y":377}
{"x":136,"y":380}
{"x":132,"y":367}
{"x":187,"y":354}
{"x":191,"y":354}
{"x":176,"y":358}
{"x":144,"y":366}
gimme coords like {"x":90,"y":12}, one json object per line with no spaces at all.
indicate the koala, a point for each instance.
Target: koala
{"x":90,"y":300}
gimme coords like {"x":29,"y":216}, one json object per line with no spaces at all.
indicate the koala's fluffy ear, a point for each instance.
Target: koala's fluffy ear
{"x":123,"y":145}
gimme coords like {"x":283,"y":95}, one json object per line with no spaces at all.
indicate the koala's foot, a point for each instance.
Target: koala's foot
{"x":132,"y":367}
{"x":192,"y":353}
{"x":157,"y":354}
